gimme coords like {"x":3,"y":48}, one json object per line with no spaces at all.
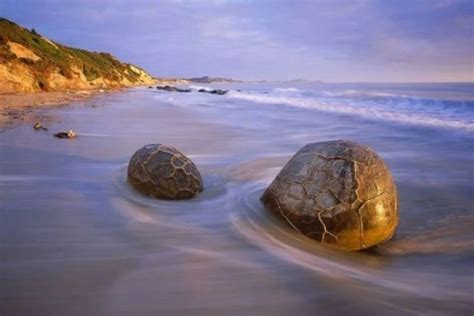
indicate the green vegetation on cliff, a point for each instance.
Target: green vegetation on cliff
{"x":45,"y":60}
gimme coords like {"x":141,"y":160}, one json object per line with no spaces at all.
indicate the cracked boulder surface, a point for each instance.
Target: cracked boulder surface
{"x":338,"y":192}
{"x":163,"y":172}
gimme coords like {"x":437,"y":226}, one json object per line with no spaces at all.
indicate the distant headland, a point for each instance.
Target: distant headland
{"x":207,"y":79}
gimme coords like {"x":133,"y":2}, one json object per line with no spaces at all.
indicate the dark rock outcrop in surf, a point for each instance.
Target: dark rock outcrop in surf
{"x":163,"y":172}
{"x":214,"y":91}
{"x":338,"y":192}
{"x":172,"y":89}
{"x":176,"y":89}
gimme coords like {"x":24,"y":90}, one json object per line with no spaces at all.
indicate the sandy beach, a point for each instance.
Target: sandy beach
{"x":84,"y":242}
{"x":16,"y":108}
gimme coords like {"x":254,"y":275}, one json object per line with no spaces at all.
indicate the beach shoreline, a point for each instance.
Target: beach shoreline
{"x":71,"y":220}
{"x":18,"y":107}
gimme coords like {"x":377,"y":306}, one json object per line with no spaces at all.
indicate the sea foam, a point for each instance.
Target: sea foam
{"x":412,"y":113}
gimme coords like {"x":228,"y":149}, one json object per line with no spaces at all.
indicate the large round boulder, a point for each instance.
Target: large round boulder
{"x":338,"y":192}
{"x":163,"y":172}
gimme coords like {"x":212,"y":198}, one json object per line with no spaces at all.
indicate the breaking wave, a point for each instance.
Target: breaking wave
{"x":374,"y":106}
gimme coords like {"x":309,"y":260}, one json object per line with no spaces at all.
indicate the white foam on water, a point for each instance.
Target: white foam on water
{"x":356,"y":93}
{"x":287,"y":90}
{"x":369,"y":112}
{"x":193,"y":87}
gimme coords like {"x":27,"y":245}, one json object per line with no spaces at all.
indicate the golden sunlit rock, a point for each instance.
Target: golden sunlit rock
{"x":338,"y":192}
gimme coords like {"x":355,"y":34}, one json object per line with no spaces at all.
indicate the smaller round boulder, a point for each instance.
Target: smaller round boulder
{"x":338,"y":192}
{"x":163,"y":172}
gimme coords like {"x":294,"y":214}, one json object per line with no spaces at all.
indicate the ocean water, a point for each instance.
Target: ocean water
{"x":75,"y":239}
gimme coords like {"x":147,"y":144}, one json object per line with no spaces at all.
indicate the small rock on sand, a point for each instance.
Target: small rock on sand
{"x":38,"y":127}
{"x":68,"y":134}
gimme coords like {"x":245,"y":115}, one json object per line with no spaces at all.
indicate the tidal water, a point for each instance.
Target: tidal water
{"x":76,"y":239}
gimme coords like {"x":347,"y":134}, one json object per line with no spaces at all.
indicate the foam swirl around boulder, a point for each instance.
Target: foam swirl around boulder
{"x":338,"y":192}
{"x":163,"y":172}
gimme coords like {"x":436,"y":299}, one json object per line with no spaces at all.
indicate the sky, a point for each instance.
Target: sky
{"x":328,"y":40}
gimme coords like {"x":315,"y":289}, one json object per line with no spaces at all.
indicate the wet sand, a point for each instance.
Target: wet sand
{"x":16,"y":108}
{"x":76,"y":239}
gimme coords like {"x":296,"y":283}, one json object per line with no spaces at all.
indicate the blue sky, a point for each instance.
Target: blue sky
{"x":329,"y":40}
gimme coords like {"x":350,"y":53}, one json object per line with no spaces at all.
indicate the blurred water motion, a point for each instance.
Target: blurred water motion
{"x":76,"y":239}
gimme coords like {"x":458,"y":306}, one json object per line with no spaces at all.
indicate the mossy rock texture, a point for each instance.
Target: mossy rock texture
{"x":338,"y":192}
{"x":163,"y":172}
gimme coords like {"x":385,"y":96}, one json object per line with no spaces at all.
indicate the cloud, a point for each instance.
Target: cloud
{"x":343,"y":40}
{"x":226,"y":28}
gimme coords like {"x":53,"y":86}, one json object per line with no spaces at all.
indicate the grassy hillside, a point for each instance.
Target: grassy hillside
{"x":31,"y":62}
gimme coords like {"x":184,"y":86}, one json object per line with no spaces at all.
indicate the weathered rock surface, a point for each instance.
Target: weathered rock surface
{"x":163,"y":172}
{"x":338,"y":192}
{"x":172,"y":89}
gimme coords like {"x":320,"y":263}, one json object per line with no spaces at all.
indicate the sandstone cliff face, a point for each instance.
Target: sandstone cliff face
{"x":30,"y":62}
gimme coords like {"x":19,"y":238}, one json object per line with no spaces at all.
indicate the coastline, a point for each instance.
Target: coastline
{"x":17,"y":107}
